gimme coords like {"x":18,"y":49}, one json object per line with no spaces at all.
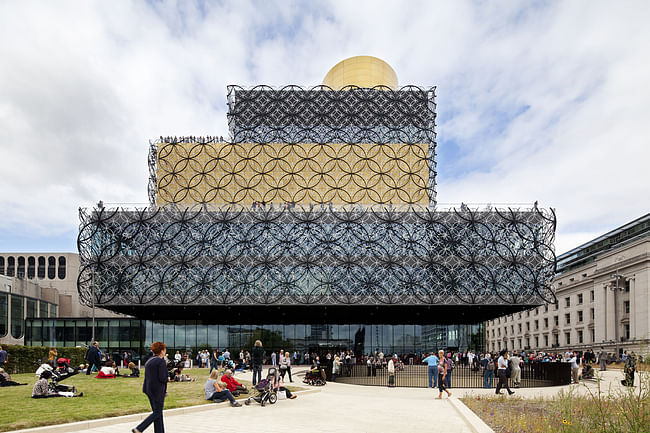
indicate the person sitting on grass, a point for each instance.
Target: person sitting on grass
{"x":179,"y":376}
{"x":278,"y":385}
{"x":107,"y":371}
{"x":135,"y":371}
{"x":5,"y":379}
{"x":214,"y":391}
{"x":233,"y":386}
{"x":42,"y":390}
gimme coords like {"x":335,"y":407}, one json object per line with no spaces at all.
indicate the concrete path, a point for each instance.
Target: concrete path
{"x":337,"y":407}
{"x":333,"y":408}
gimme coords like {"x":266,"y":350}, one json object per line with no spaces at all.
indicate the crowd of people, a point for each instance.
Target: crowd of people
{"x":221,"y":384}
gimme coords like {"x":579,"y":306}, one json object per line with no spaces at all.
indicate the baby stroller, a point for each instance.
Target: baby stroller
{"x":64,"y":370}
{"x":265,"y":390}
{"x":54,"y":385}
{"x":57,"y":377}
{"x":316,"y":377}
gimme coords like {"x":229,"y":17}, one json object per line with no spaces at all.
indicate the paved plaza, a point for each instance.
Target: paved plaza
{"x":336,"y":407}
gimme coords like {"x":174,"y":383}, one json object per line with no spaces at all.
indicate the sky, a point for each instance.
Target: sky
{"x":546,"y":101}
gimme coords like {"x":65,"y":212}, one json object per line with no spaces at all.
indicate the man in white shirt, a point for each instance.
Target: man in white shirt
{"x":574,"y":367}
{"x":502,"y":364}
{"x":226,"y":354}
{"x":391,"y":371}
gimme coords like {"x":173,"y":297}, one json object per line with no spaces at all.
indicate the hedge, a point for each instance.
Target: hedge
{"x":25,"y":359}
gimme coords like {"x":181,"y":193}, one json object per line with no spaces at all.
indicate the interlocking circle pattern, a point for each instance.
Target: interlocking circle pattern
{"x":317,"y":255}
{"x":320,"y":197}
{"x":295,"y":145}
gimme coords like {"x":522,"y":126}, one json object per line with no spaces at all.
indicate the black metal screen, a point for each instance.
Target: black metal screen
{"x":317,"y":256}
{"x":539,"y":374}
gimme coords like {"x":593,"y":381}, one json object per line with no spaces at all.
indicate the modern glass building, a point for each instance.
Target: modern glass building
{"x":137,"y":335}
{"x":314,"y":226}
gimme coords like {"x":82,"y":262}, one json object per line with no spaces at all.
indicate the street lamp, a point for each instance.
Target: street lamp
{"x":92,"y":294}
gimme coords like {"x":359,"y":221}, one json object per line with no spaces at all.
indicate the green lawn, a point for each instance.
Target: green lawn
{"x":102,"y":398}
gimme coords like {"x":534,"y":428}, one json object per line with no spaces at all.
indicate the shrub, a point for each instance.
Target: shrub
{"x":26,"y":359}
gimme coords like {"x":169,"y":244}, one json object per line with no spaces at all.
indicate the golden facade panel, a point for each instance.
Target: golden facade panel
{"x":217,"y":172}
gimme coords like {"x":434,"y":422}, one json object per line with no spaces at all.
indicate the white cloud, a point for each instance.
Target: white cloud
{"x":547,"y":103}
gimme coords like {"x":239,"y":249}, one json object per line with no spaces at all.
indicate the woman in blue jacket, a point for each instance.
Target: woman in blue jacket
{"x":155,"y":387}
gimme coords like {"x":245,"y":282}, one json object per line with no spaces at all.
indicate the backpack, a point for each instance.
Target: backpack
{"x":490,"y":365}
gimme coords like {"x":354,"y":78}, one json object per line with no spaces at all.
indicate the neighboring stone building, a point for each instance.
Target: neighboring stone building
{"x":20,"y":299}
{"x":39,"y":285}
{"x":603,"y":299}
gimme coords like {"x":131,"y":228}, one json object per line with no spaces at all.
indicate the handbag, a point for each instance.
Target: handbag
{"x":282,"y":395}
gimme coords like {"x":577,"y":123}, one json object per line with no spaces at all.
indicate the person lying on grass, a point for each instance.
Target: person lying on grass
{"x":5,"y":379}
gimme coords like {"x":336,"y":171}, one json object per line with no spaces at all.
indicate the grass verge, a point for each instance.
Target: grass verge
{"x":622,"y":411}
{"x":102,"y":398}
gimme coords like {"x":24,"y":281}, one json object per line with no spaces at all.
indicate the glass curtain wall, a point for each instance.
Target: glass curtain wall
{"x":17,"y":316}
{"x":137,"y":336}
{"x":4,"y":314}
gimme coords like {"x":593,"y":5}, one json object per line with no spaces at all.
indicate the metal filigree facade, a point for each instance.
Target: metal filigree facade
{"x":292,"y":145}
{"x":317,"y":256}
{"x":320,"y":198}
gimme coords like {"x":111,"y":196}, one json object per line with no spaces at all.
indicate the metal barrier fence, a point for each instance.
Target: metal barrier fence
{"x":539,"y":374}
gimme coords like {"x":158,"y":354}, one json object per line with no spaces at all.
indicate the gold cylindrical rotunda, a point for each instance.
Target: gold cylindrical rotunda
{"x":361,"y":71}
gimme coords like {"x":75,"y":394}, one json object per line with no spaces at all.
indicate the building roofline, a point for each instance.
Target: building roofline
{"x":33,"y":253}
{"x":572,"y":256}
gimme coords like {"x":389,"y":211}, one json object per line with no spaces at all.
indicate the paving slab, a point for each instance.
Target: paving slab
{"x":333,"y":407}
{"x":337,"y":406}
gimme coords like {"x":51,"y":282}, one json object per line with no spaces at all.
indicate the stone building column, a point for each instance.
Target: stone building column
{"x":600,"y":307}
{"x":642,"y":303}
{"x":610,"y":322}
{"x":632,"y":308}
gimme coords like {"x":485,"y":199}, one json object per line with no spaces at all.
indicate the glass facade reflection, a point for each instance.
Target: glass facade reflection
{"x":137,"y":336}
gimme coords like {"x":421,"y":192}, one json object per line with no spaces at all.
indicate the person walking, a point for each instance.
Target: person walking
{"x":442,"y":374}
{"x":273,"y":359}
{"x":257,"y":361}
{"x":155,"y":387}
{"x":502,"y":365}
{"x":93,"y":356}
{"x":629,"y":368}
{"x":515,"y":369}
{"x":575,"y":369}
{"x":3,"y":357}
{"x":214,"y":361}
{"x":450,"y":367}
{"x":432,"y":361}
{"x":488,"y":370}
{"x":285,"y":366}
{"x":602,"y":359}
